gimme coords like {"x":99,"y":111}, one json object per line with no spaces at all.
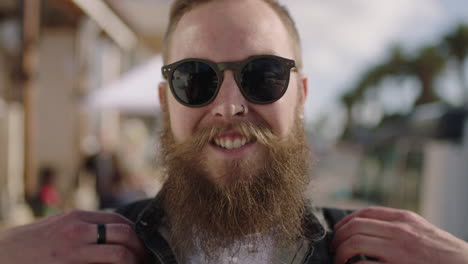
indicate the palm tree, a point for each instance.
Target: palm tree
{"x":394,"y":65}
{"x":456,"y":44}
{"x":426,"y":66}
{"x":397,"y":63}
{"x":348,"y":100}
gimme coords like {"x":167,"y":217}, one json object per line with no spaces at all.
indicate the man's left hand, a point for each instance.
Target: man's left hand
{"x":395,"y":236}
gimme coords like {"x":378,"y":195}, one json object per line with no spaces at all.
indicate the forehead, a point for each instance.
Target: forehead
{"x":230,"y":30}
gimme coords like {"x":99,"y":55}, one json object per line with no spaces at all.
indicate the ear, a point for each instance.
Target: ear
{"x":303,"y":89}
{"x":162,"y":95}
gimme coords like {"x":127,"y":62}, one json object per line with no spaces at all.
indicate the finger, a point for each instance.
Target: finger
{"x":123,"y":234}
{"x":367,"y":262}
{"x":97,"y":217}
{"x":379,"y":213}
{"x":363,"y":226}
{"x":111,"y":254}
{"x":361,"y":244}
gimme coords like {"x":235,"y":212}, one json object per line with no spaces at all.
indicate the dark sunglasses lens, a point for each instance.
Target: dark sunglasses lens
{"x":194,"y":82}
{"x":264,"y":80}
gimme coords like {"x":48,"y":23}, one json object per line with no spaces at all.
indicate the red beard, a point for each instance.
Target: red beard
{"x":266,"y":195}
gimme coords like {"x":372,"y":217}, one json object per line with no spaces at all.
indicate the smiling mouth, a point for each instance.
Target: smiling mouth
{"x":231,"y":143}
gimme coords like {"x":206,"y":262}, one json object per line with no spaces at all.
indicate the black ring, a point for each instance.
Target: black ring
{"x":101,"y":233}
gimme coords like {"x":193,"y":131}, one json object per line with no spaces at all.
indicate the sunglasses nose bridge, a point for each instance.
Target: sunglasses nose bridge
{"x":234,"y":67}
{"x":228,"y":66}
{"x":229,"y":102}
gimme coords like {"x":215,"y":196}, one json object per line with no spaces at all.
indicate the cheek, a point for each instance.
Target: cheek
{"x":280,"y":115}
{"x":182,"y":119}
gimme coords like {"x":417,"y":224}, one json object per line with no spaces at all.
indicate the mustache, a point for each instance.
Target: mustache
{"x":258,"y":131}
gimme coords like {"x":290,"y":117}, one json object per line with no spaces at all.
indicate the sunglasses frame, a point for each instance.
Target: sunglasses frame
{"x":219,"y":68}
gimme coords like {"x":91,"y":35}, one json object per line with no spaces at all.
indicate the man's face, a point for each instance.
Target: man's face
{"x":227,"y":30}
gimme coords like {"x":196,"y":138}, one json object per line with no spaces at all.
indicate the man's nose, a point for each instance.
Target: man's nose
{"x":229,"y":102}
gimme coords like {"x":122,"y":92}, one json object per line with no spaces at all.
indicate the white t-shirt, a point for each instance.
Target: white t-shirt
{"x":240,"y":253}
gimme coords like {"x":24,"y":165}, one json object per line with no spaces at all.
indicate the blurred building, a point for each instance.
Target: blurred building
{"x":418,"y":162}
{"x":53,"y":55}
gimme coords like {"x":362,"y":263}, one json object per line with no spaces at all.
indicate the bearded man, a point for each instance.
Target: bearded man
{"x":235,"y":165}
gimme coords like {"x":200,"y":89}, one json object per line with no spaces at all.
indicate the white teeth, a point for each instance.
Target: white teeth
{"x":231,"y":144}
{"x":236,"y":143}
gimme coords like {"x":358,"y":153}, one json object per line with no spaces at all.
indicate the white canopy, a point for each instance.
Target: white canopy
{"x":135,"y":92}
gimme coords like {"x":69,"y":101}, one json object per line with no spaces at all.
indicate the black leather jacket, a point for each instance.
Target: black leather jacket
{"x":313,"y":248}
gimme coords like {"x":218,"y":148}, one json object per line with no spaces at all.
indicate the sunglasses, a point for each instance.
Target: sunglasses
{"x":262,"y":79}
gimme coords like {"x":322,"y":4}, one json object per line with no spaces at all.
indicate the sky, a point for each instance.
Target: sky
{"x":341,"y":39}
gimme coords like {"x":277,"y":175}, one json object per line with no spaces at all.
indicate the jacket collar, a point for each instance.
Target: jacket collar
{"x":151,"y":218}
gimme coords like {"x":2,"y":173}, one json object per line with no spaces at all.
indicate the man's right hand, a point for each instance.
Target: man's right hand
{"x":72,"y":238}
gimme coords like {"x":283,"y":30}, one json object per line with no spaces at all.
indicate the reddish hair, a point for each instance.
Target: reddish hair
{"x":181,"y":7}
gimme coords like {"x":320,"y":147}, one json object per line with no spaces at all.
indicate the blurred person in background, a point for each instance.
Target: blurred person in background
{"x":236,"y":165}
{"x":47,"y":200}
{"x":127,"y":188}
{"x":104,"y":165}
